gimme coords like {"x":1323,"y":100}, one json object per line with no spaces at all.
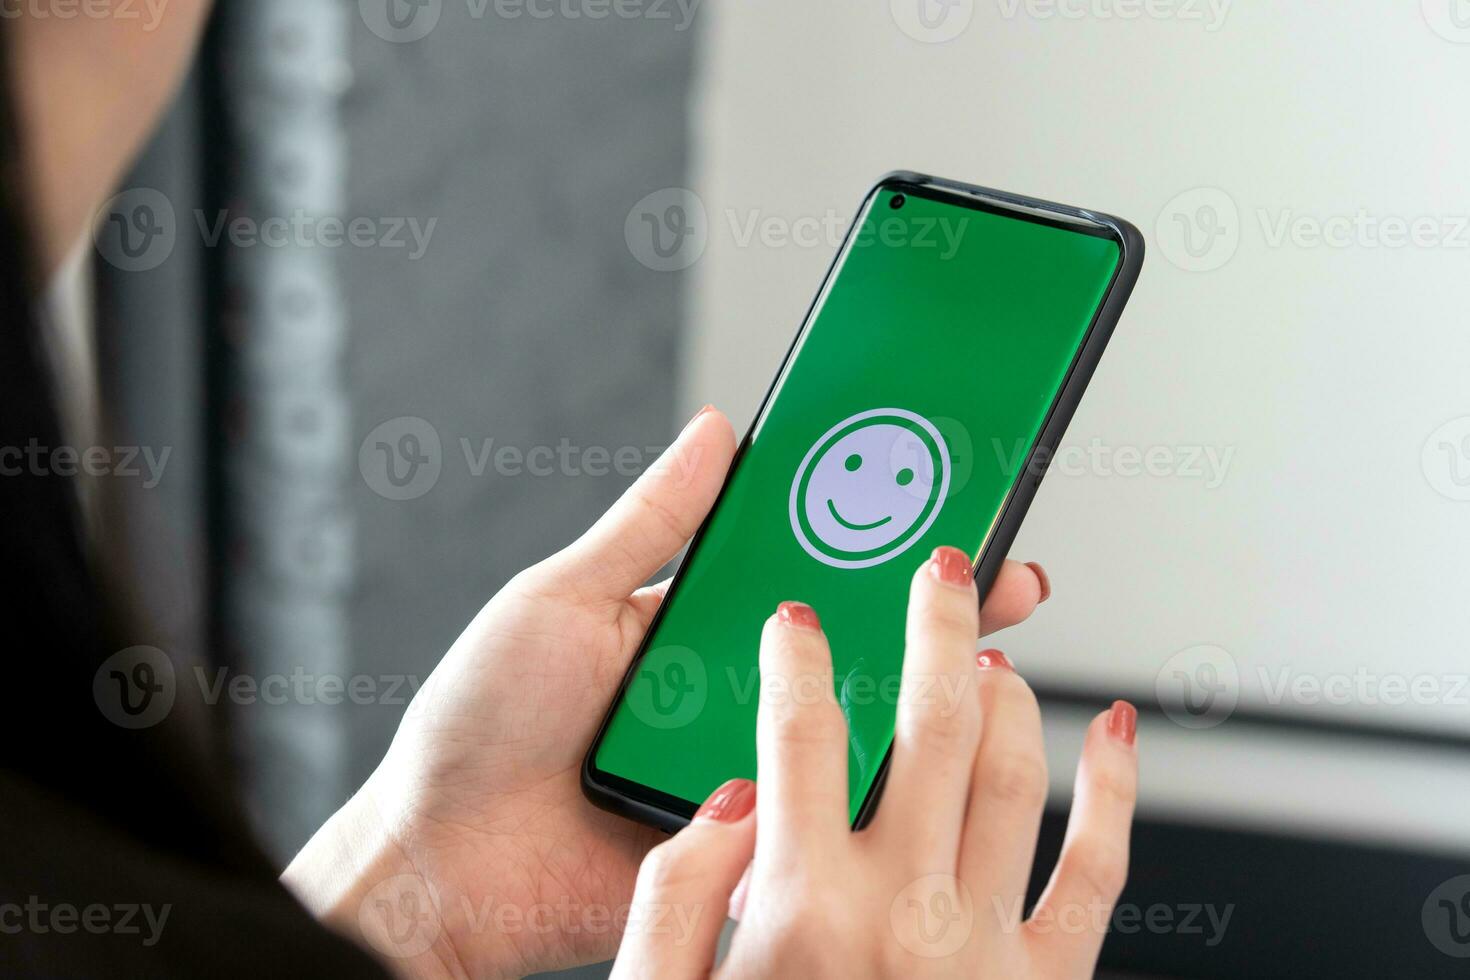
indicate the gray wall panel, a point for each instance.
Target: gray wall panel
{"x":526,"y":321}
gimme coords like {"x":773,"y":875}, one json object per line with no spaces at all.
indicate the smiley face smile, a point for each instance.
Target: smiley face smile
{"x":870,"y":487}
{"x":855,"y":527}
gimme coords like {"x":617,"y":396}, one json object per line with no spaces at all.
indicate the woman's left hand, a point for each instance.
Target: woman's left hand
{"x":471,"y":851}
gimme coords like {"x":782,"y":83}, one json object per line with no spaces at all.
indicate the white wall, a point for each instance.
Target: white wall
{"x":1327,"y":541}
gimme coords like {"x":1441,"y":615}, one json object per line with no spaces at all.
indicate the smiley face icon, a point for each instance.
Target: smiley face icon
{"x":869,"y":488}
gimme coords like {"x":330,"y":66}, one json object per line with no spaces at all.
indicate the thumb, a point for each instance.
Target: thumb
{"x":683,"y":893}
{"x":654,"y":519}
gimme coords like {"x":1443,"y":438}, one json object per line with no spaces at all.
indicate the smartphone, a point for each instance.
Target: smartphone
{"x":929,"y":384}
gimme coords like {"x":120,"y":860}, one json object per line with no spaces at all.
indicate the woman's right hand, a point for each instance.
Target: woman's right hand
{"x":936,"y":885}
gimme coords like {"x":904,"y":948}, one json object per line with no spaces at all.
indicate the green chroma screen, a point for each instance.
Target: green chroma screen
{"x":904,"y":418}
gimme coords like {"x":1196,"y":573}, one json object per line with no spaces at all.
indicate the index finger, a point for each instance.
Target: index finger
{"x":801,"y":740}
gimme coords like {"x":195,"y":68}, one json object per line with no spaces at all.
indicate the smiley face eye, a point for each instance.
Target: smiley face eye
{"x":905,"y":477}
{"x":853,"y":462}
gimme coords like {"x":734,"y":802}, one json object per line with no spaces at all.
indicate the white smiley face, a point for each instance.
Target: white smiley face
{"x":869,"y":488}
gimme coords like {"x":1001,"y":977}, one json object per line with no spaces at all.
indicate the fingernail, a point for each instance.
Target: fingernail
{"x":1123,"y":722}
{"x":952,"y":567}
{"x":1041,"y":577}
{"x":731,"y":803}
{"x":699,"y":415}
{"x":798,"y":614}
{"x":994,"y":660}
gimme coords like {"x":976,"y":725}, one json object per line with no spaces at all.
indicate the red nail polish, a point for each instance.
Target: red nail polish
{"x":798,"y":614}
{"x":1041,"y":577}
{"x":994,"y":660}
{"x":1123,"y":722}
{"x":731,"y":803}
{"x":952,"y":566}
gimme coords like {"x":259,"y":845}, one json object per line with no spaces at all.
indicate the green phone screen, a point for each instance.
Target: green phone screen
{"x":905,"y":415}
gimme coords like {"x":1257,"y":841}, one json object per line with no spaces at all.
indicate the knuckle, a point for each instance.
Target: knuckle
{"x":809,"y":921}
{"x":570,"y":575}
{"x":791,"y":724}
{"x":542,"y":580}
{"x":1101,"y":868}
{"x":796,"y":943}
{"x":660,"y":514}
{"x":937,"y":730}
{"x":956,"y":615}
{"x":1017,"y":778}
{"x":666,"y":869}
{"x":817,"y":919}
{"x":1113,"y":788}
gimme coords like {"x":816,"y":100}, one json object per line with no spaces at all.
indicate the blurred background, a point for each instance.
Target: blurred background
{"x":567,"y":224}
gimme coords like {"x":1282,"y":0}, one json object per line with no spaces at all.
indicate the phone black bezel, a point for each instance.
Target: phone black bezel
{"x":670,"y":813}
